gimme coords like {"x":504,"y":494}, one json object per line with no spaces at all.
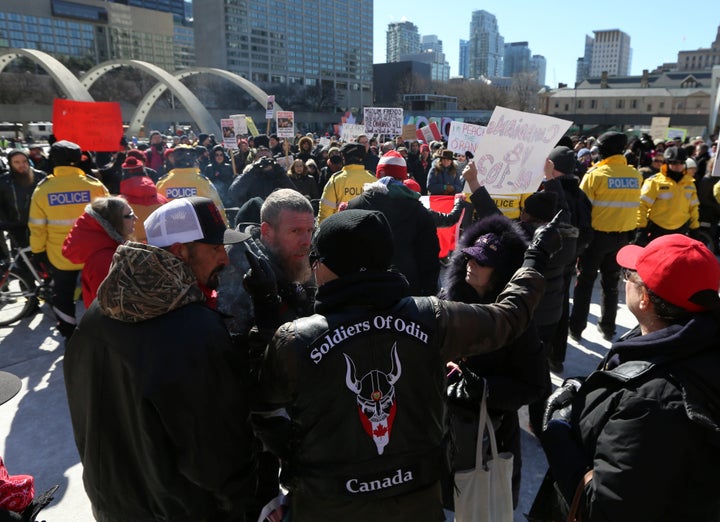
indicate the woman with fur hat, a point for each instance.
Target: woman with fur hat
{"x":488,"y":253}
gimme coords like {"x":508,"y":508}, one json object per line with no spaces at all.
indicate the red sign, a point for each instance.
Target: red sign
{"x":447,"y":236}
{"x":429,"y":133}
{"x":95,"y":126}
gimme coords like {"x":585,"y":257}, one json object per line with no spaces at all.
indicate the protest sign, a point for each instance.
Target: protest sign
{"x":251,"y":126}
{"x":673,"y":133}
{"x":387,"y":121}
{"x":285,"y":124}
{"x":447,"y":236}
{"x":659,"y":127}
{"x":227,"y":126}
{"x":270,"y":107}
{"x":94,"y":126}
{"x":464,"y":137}
{"x":351,"y":131}
{"x":241,"y":128}
{"x":511,"y":155}
{"x":429,"y":133}
{"x":408,"y":132}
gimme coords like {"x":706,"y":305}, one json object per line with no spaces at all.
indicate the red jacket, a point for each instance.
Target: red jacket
{"x":90,"y":242}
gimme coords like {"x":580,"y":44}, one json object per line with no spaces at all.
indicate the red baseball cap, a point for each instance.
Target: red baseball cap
{"x":676,"y":268}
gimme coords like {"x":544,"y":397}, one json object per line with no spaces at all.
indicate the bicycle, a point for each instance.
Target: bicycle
{"x":22,"y":287}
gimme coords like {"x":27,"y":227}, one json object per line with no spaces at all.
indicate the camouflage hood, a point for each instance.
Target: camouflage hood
{"x":145,"y":282}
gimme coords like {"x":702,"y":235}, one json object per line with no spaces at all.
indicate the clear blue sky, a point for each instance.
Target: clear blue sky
{"x":556,"y":30}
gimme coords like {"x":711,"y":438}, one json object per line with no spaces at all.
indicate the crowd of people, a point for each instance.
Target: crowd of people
{"x":272,"y":327}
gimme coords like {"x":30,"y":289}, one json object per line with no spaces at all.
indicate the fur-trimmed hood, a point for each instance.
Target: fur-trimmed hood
{"x":514,"y":242}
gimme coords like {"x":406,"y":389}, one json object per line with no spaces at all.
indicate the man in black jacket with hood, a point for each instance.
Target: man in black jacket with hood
{"x":157,"y":392}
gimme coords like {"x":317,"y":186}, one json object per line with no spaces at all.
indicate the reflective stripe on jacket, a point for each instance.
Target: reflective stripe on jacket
{"x":55,"y":206}
{"x":613,"y":188}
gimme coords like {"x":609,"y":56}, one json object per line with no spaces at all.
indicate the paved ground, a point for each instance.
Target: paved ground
{"x":36,"y":437}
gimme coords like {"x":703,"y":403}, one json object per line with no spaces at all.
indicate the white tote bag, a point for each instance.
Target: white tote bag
{"x":484,"y":494}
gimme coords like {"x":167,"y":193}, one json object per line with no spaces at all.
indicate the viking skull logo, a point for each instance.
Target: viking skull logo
{"x":375,"y":398}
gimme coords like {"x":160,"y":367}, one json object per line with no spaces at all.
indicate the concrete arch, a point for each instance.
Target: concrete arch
{"x":195,"y":108}
{"x":138,"y":119}
{"x":69,"y":84}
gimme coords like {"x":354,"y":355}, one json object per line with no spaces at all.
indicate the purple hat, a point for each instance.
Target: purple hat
{"x":487,"y":250}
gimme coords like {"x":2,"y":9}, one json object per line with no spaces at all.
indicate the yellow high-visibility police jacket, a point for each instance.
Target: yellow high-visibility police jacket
{"x":186,"y":182}
{"x":510,"y":204}
{"x":668,"y":204}
{"x":613,"y":188}
{"x":344,"y":185}
{"x":56,"y":204}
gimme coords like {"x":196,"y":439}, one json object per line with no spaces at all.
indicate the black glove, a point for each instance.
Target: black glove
{"x":41,"y":263}
{"x":39,"y":502}
{"x":547,"y":240}
{"x":261,"y":284}
{"x":559,"y":405}
{"x":641,"y":237}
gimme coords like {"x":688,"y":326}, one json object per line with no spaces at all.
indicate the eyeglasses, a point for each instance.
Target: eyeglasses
{"x":626,"y":273}
{"x":131,"y":215}
{"x":315,"y":260}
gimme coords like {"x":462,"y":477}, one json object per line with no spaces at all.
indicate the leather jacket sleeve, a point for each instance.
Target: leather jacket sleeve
{"x":475,"y":328}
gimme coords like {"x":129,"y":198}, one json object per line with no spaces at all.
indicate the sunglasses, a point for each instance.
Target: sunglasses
{"x":131,"y":215}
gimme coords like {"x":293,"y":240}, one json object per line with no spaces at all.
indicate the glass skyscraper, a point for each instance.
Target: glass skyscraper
{"x":326,"y":43}
{"x":486,"y":46}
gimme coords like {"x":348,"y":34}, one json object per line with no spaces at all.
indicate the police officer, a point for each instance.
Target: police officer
{"x":668,"y":201}
{"x":347,"y":183}
{"x":56,"y":203}
{"x":613,"y":188}
{"x":185,"y":179}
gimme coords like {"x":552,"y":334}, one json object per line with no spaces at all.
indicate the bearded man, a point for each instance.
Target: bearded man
{"x":283,"y":238}
{"x":16,"y":189}
{"x":282,"y":244}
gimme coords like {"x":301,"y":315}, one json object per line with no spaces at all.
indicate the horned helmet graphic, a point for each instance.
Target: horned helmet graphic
{"x":375,"y":398}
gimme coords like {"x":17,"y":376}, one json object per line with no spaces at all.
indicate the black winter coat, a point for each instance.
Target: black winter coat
{"x":649,"y":428}
{"x":259,"y":181}
{"x":414,"y":235}
{"x":158,"y":397}
{"x":354,"y":395}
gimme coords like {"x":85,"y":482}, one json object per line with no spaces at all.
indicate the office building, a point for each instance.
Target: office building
{"x":486,"y":46}
{"x":464,"y":61}
{"x":516,"y":59}
{"x":700,"y":58}
{"x":611,"y":53}
{"x":402,"y":39}
{"x":283,"y":42}
{"x":538,"y":65}
{"x":582,"y":70}
{"x":431,"y":51}
{"x":91,"y":30}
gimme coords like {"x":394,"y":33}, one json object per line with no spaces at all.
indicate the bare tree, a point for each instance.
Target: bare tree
{"x":524,"y":92}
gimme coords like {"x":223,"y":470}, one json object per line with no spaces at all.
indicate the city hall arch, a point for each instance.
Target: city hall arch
{"x":192,"y":104}
{"x":153,"y":94}
{"x":66,"y":80}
